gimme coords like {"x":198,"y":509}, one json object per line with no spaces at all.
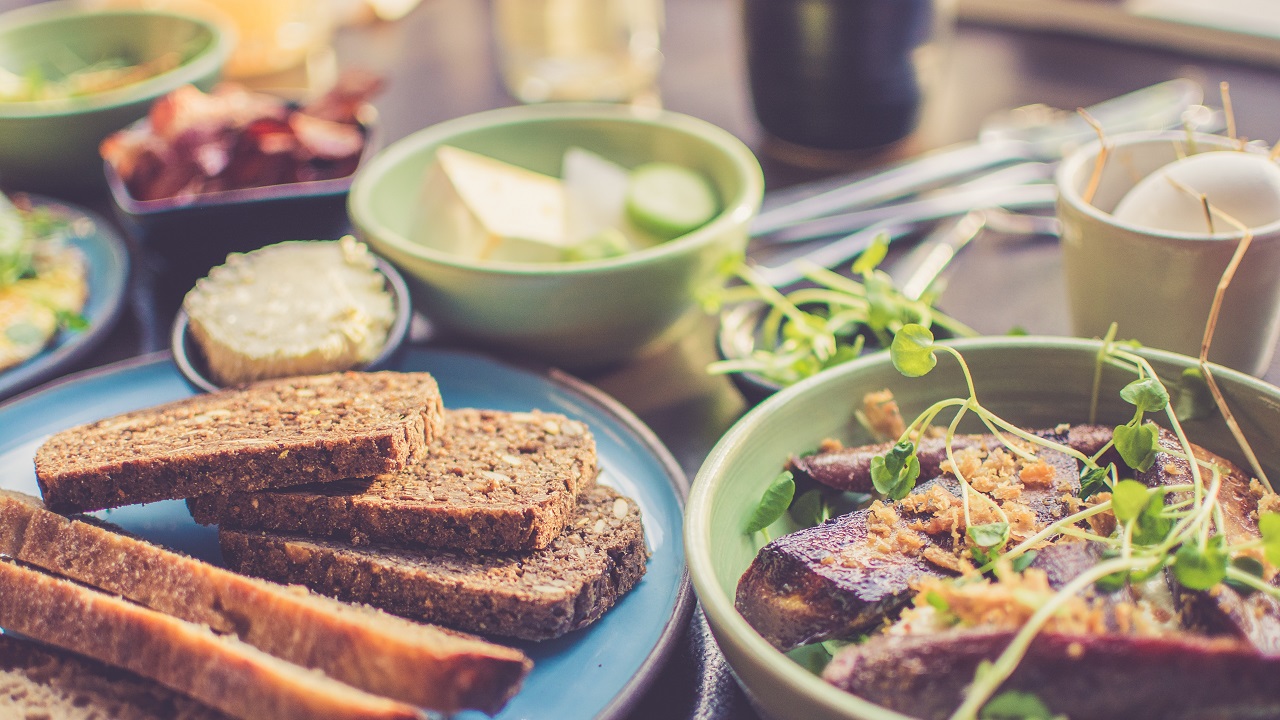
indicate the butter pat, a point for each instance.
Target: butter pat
{"x":296,"y":308}
{"x":479,"y":208}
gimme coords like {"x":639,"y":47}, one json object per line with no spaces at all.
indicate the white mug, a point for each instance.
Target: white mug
{"x":1157,"y":285}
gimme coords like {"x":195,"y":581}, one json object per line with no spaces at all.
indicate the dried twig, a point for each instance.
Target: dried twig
{"x":1215,"y":310}
{"x":1100,"y":162}
{"x":1225,"y":88}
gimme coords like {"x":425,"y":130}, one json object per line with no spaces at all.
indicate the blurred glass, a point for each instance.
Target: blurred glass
{"x":275,"y":35}
{"x":578,"y":49}
{"x":842,"y":75}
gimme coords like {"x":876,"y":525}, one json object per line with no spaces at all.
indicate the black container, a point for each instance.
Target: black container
{"x":836,"y":74}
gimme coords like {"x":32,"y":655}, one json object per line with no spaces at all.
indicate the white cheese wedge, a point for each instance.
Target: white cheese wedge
{"x":480,"y":208}
{"x":295,"y":308}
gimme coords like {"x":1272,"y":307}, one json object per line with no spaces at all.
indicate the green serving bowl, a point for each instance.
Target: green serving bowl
{"x":1034,"y":381}
{"x":573,"y":314}
{"x":52,"y":145}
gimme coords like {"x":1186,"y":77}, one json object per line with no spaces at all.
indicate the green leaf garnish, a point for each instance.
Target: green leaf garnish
{"x":73,"y":321}
{"x":1147,"y":394}
{"x":989,"y":535}
{"x":912,"y":351}
{"x":1249,"y":566}
{"x":1269,"y":526}
{"x":809,"y":509}
{"x":1095,"y":481}
{"x":936,"y":601}
{"x":1128,"y":499}
{"x":1152,"y":527}
{"x":1194,"y":401}
{"x":1136,"y":445}
{"x":1199,"y":569}
{"x":894,"y":473}
{"x":871,"y":258}
{"x":1015,"y":705}
{"x":1023,"y":561}
{"x":773,"y":503}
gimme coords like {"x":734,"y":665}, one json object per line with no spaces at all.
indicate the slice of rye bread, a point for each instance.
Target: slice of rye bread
{"x":270,"y":434}
{"x":532,"y":595}
{"x":218,"y":670}
{"x":491,"y":481}
{"x":358,"y":645}
{"x":43,"y":683}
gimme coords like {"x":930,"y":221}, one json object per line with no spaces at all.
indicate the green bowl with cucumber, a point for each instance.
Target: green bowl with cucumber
{"x":576,"y":234}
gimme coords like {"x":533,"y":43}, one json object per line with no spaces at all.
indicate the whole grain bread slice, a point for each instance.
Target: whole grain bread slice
{"x":491,"y":480}
{"x":274,"y":433}
{"x":220,"y":671}
{"x":41,"y":682}
{"x":360,"y":646}
{"x":532,"y":595}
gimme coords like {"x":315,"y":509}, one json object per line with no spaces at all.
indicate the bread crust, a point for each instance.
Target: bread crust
{"x":491,"y":481}
{"x":366,"y":648}
{"x":533,"y":595}
{"x":221,"y":672}
{"x":274,"y":433}
{"x":42,"y":682}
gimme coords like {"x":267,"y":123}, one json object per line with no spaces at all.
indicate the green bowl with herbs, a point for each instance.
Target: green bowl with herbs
{"x":69,"y":77}
{"x":1030,"y":381}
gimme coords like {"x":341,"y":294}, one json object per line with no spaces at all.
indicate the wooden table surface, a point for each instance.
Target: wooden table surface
{"x":439,"y":63}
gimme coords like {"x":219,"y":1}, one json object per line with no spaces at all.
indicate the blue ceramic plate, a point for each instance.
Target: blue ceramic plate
{"x":597,"y":672}
{"x":108,"y":262}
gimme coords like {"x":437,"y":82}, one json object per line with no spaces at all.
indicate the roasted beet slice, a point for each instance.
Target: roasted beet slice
{"x":850,"y":468}
{"x":829,"y":581}
{"x":1083,"y":676}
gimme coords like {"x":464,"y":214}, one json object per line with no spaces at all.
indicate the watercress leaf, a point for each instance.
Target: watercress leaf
{"x":1199,"y":569}
{"x":912,"y":350}
{"x":1015,"y":705}
{"x":1017,"y":331}
{"x":1023,"y":561}
{"x":936,"y":601}
{"x":773,"y":503}
{"x":1147,"y":394}
{"x":989,"y":535}
{"x":1128,"y":499}
{"x":808,"y":509}
{"x":1112,"y":583}
{"x":894,"y":473}
{"x":1152,"y":527}
{"x":1269,"y":526}
{"x":1095,"y":481}
{"x":1136,"y":445}
{"x":1249,"y":566}
{"x":1193,"y":401}
{"x":73,"y":321}
{"x":871,"y":257}
{"x":984,"y":556}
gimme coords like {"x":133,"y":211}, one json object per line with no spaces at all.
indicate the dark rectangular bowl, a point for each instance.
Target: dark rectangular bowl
{"x":182,"y":238}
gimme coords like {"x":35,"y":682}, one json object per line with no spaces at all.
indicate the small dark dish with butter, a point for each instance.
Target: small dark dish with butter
{"x":193,"y":360}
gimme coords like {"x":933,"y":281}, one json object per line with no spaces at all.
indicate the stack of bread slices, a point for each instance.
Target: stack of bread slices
{"x":359,"y":485}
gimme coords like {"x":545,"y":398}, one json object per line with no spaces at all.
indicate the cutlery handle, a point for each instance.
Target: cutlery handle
{"x":905,"y":179}
{"x":848,"y":247}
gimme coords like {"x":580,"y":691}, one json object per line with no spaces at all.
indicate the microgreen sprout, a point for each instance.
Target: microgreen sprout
{"x":831,"y":322}
{"x":773,"y":504}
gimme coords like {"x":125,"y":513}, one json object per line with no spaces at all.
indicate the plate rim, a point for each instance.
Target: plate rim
{"x":682,"y":612}
{"x":21,"y":379}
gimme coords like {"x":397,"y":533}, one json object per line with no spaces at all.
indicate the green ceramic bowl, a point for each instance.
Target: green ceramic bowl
{"x":52,"y":145}
{"x":572,"y":314}
{"x":1035,"y":381}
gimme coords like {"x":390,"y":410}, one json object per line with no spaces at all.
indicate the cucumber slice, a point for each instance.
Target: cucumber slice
{"x":668,"y":200}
